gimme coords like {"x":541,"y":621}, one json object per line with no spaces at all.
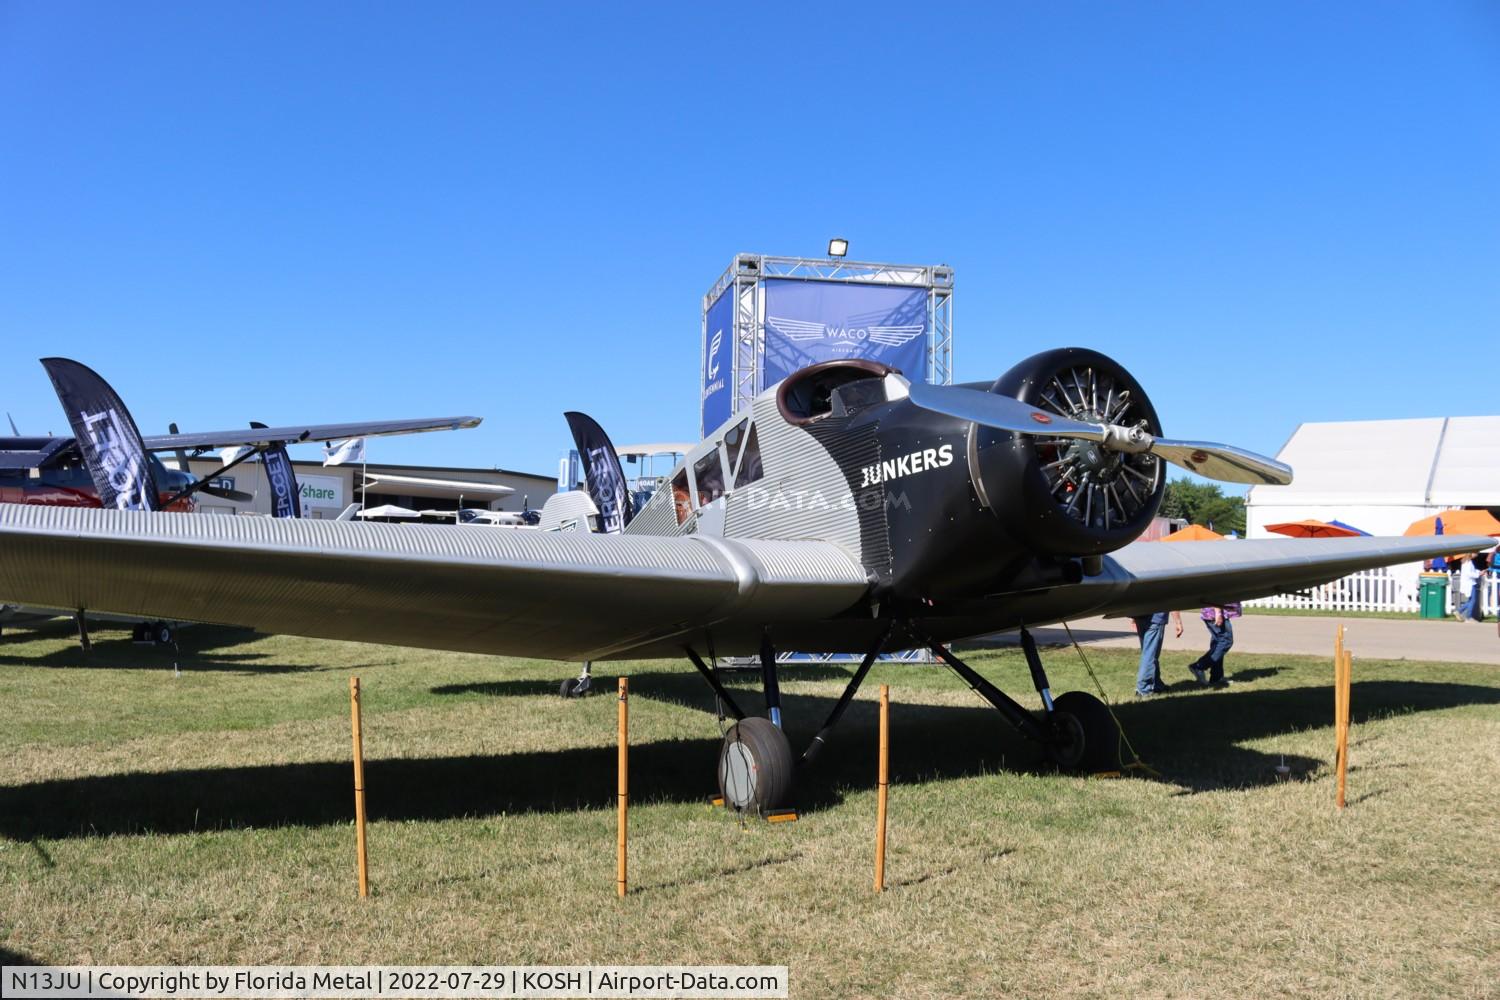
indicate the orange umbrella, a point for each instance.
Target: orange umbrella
{"x":1312,"y":529}
{"x":1457,"y":522}
{"x":1193,"y":533}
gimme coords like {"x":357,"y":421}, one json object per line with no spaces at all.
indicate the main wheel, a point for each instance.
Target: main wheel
{"x":1084,"y":736}
{"x":755,"y":766}
{"x":574,"y":687}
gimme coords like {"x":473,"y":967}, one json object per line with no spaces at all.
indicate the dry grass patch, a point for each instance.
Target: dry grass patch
{"x":152,"y":819}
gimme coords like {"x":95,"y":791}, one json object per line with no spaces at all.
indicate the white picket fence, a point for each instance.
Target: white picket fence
{"x":1375,"y":590}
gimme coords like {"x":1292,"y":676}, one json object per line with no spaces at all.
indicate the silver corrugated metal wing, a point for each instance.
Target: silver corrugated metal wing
{"x":530,"y":593}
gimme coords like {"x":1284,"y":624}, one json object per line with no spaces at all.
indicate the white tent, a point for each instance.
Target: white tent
{"x":1381,"y":475}
{"x":389,"y":510}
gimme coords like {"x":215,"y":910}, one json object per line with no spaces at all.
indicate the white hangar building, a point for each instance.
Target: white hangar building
{"x":1381,"y":475}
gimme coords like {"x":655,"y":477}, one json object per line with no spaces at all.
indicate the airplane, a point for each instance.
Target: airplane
{"x":848,"y":508}
{"x":54,"y":471}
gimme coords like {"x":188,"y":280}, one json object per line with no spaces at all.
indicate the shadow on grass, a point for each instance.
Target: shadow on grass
{"x":1195,"y":742}
{"x":201,"y":648}
{"x":9,"y":957}
{"x":680,"y":687}
{"x":1254,"y":674}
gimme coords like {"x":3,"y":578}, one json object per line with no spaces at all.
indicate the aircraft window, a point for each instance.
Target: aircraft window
{"x":750,"y":468}
{"x":708,"y":472}
{"x":734,"y":439}
{"x":681,"y":498}
{"x":69,"y":476}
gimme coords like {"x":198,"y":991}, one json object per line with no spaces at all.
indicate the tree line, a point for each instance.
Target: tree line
{"x":1205,"y":504}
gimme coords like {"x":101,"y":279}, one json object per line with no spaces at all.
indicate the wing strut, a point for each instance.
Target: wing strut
{"x":1007,"y":706}
{"x":205,"y":483}
{"x":819,"y":741}
{"x":713,"y":681}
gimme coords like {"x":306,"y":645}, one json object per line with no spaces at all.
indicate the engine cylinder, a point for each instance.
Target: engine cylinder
{"x":1064,"y":496}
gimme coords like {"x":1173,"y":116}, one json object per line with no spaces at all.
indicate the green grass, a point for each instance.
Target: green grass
{"x":206,"y":819}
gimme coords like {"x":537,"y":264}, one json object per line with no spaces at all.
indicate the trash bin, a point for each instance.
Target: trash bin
{"x":1432,"y":594}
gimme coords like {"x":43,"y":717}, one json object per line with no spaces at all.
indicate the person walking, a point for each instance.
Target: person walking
{"x":1150,"y":630}
{"x":1470,"y":583}
{"x":1208,"y":669}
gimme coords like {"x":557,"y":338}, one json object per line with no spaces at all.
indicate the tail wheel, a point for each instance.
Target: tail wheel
{"x":575,"y":687}
{"x":1084,"y":736}
{"x":755,"y":767}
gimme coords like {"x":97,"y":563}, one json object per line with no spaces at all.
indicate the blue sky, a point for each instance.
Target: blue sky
{"x":1270,"y":212}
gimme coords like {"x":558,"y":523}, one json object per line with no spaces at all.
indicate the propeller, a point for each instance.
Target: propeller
{"x":1213,"y":461}
{"x":181,"y":455}
{"x":238,"y":496}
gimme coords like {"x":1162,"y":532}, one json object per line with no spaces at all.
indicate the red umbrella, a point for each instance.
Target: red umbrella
{"x":1311,"y":529}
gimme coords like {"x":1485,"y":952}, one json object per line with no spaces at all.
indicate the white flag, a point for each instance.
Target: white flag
{"x":352,"y":450}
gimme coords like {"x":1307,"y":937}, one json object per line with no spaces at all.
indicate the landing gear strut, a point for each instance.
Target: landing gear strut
{"x":84,"y":643}
{"x":757,"y":771}
{"x":756,"y":768}
{"x":1076,"y":729}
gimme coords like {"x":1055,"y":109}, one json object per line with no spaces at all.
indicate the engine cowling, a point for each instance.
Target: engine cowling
{"x":1063,"y":496}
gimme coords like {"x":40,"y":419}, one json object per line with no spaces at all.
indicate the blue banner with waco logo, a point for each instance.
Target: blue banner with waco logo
{"x":812,"y":321}
{"x":718,"y":362}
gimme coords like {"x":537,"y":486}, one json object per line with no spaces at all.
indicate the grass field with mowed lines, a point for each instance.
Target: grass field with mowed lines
{"x":206,"y":819}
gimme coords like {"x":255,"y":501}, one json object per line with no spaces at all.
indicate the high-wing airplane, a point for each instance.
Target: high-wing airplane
{"x":56,"y":471}
{"x":847,"y":509}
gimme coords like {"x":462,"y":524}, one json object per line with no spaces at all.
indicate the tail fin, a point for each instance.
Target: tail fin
{"x":606,"y":480}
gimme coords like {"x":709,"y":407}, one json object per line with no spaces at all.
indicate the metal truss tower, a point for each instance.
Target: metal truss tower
{"x":744,"y":280}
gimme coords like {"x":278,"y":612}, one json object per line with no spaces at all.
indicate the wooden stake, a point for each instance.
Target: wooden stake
{"x":885,"y":778}
{"x":1343,"y":723}
{"x":1338,"y":689}
{"x":623,"y":792}
{"x":359,"y":791}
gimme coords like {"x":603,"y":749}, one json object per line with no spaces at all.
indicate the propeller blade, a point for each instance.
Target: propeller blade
{"x":182,"y":456}
{"x":1000,"y":412}
{"x":12,"y":425}
{"x":239,"y":496}
{"x":1222,"y":462}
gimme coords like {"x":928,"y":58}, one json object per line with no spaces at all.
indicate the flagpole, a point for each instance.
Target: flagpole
{"x":363,"y":478}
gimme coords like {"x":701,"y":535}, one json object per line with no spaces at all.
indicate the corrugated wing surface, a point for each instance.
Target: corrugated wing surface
{"x":481,"y":589}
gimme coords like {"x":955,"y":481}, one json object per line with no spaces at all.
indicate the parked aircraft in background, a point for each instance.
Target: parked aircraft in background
{"x":67,"y":472}
{"x":846,"y":509}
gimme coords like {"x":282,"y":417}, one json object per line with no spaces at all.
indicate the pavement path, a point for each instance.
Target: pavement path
{"x":1375,"y":638}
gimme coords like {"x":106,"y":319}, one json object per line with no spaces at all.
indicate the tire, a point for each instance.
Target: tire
{"x":1084,"y":735}
{"x":755,"y":767}
{"x":568,"y":687}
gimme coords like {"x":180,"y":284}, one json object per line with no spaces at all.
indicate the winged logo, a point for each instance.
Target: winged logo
{"x":713,"y":354}
{"x":896,"y":336}
{"x":800,"y":330}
